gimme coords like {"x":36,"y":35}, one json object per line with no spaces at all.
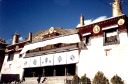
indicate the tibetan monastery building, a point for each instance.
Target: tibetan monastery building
{"x":59,"y":54}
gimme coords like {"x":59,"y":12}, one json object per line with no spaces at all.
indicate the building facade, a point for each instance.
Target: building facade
{"x":106,"y":48}
{"x":62,"y":53}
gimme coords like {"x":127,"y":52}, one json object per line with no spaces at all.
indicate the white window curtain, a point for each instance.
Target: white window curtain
{"x":52,"y":59}
{"x":72,"y":57}
{"x":35,"y":61}
{"x":47,"y":60}
{"x":60,"y":58}
{"x":26,"y":62}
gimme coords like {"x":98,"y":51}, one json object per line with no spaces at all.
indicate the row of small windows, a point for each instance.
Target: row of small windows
{"x":49,"y":47}
{"x":111,"y":36}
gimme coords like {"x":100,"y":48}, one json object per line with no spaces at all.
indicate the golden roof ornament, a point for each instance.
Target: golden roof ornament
{"x":51,"y":30}
{"x":116,"y":8}
{"x":96,"y":29}
{"x":121,"y":21}
{"x":81,"y":20}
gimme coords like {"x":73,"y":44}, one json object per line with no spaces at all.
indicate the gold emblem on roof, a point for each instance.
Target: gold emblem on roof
{"x":121,"y":21}
{"x":96,"y":29}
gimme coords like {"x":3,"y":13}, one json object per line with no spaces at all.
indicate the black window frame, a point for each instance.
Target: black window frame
{"x":116,"y":37}
{"x":10,"y":56}
{"x":20,"y":55}
{"x":87,"y":40}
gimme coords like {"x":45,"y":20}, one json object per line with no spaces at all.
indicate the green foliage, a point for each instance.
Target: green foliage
{"x":75,"y":79}
{"x":100,"y":78}
{"x":85,"y":80}
{"x":116,"y":80}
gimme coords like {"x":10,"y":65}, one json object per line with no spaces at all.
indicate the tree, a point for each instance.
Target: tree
{"x":85,"y":80}
{"x":100,"y":78}
{"x":75,"y":79}
{"x":116,"y":80}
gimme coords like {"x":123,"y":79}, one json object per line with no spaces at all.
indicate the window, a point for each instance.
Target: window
{"x":111,"y":37}
{"x":48,"y":47}
{"x":87,"y":40}
{"x":20,"y":55}
{"x":58,"y":45}
{"x":10,"y":56}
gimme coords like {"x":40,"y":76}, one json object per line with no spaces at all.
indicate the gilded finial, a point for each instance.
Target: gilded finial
{"x":82,"y":20}
{"x":117,"y":9}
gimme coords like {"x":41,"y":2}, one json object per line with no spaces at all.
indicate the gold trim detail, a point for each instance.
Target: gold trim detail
{"x":96,"y":29}
{"x":121,"y":21}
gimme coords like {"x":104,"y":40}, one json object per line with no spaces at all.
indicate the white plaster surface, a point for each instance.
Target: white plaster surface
{"x":94,"y":59}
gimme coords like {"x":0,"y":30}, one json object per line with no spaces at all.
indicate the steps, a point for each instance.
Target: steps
{"x":30,"y":80}
{"x":49,"y":80}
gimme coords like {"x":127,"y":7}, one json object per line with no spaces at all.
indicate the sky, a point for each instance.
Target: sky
{"x":24,"y":16}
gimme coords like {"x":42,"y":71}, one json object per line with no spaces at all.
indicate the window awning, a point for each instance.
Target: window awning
{"x":110,"y":27}
{"x":74,"y":38}
{"x":111,"y":34}
{"x":85,"y":34}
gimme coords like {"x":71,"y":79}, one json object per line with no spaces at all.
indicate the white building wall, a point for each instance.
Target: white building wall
{"x":14,"y":66}
{"x":94,"y":59}
{"x":123,"y":38}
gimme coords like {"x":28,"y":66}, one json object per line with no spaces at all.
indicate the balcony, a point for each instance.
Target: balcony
{"x":52,"y":50}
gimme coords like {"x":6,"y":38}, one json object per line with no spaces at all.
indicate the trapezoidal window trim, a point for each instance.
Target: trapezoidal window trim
{"x":110,"y":39}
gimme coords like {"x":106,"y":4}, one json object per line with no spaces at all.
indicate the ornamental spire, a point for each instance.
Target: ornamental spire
{"x":81,"y":20}
{"x":116,"y":8}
